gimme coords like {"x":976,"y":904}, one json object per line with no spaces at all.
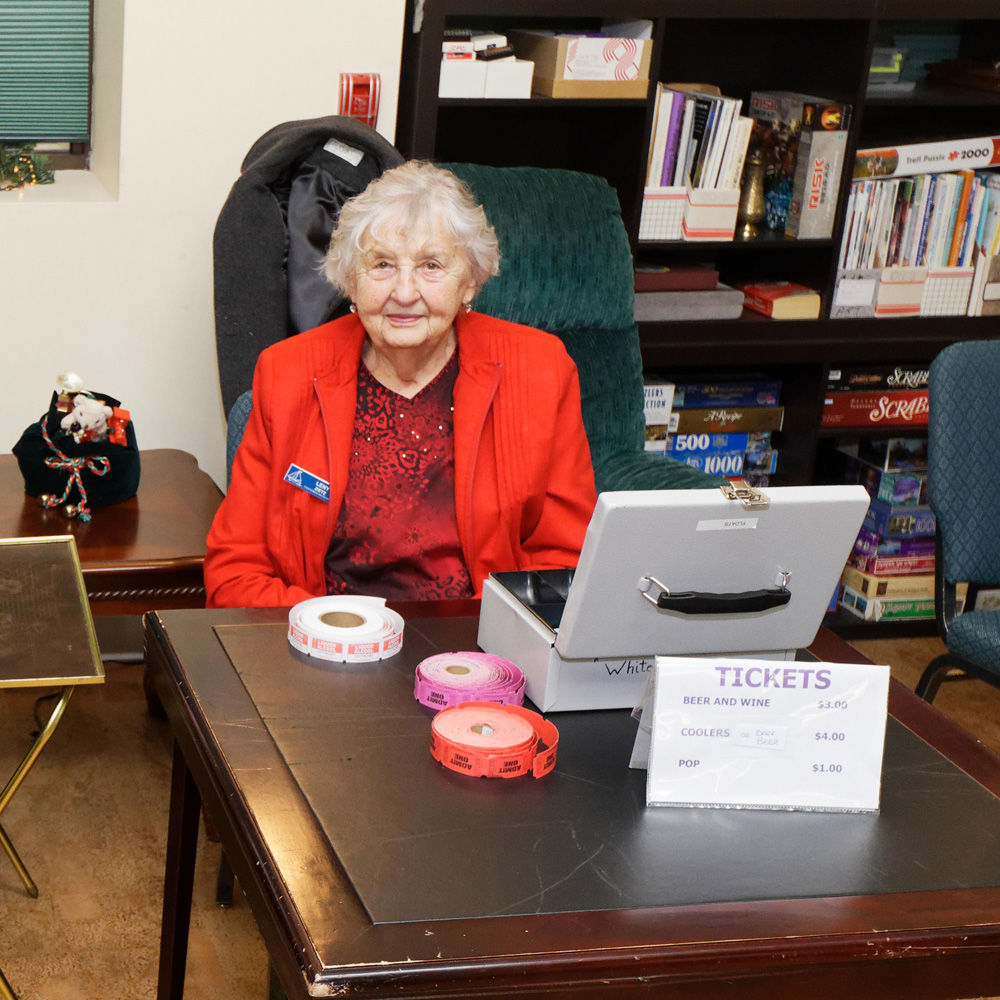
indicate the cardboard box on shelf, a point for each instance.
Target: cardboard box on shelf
{"x":584,"y":65}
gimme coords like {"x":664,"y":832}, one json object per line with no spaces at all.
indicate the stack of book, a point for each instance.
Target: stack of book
{"x":699,"y":138}
{"x":725,"y":428}
{"x":683,"y":293}
{"x":802,"y":140}
{"x":890,"y":573}
{"x":920,"y":236}
{"x":932,"y":220}
{"x":879,"y":397}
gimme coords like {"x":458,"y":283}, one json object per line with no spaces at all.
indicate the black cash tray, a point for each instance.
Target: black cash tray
{"x":541,"y":591}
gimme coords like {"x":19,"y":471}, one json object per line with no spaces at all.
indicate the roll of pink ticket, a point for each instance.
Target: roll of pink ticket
{"x":447,"y":679}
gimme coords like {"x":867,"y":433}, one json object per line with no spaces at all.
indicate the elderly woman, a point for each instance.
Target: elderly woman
{"x":411,"y":448}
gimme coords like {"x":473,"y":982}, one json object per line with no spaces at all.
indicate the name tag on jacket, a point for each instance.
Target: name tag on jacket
{"x":307,"y":481}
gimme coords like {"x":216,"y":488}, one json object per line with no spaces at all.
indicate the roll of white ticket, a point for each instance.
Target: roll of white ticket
{"x":345,"y":629}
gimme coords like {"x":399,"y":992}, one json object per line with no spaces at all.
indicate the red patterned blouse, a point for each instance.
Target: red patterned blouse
{"x":397,"y":534}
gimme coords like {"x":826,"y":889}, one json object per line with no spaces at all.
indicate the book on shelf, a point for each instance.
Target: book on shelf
{"x":894,"y":454}
{"x":665,"y":122}
{"x":727,"y":441}
{"x":726,"y":453}
{"x":780,"y":299}
{"x":733,"y":464}
{"x":711,"y":139}
{"x":497,"y":53}
{"x":927,"y":157}
{"x":722,"y":302}
{"x":467,"y":43}
{"x":717,"y":420}
{"x":658,"y":398}
{"x":684,"y":140}
{"x":699,"y":100}
{"x":853,"y":378}
{"x":984,"y":296}
{"x":885,"y":609}
{"x":892,"y":487}
{"x":819,"y":164}
{"x":658,"y":395}
{"x":917,"y":245}
{"x":870,"y":543}
{"x":723,"y":392}
{"x":899,"y":520}
{"x":654,"y":278}
{"x":873,"y":585}
{"x":893,"y":565}
{"x":887,"y":408}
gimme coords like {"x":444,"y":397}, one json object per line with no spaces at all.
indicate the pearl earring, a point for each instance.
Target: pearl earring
{"x":468,"y":306}
{"x":354,"y":308}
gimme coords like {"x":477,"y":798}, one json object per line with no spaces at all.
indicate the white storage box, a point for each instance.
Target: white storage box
{"x":662,"y":214}
{"x":462,"y":78}
{"x":509,"y":78}
{"x":710,"y":214}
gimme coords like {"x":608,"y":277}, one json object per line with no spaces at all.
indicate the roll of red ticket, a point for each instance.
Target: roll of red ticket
{"x":487,"y":740}
{"x":447,"y":679}
{"x":345,"y":629}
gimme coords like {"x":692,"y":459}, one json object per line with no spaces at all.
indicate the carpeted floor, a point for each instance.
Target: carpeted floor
{"x":90,"y":822}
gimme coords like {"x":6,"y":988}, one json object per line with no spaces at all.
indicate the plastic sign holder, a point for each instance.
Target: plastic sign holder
{"x":752,"y":734}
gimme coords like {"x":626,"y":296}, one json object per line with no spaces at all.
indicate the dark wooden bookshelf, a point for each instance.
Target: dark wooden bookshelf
{"x":849,"y":626}
{"x":741,"y":46}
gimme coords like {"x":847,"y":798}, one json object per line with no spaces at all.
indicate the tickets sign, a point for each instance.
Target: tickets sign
{"x":766,"y":734}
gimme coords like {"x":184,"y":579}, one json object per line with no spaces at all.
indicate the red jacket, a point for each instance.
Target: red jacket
{"x":524,"y":484}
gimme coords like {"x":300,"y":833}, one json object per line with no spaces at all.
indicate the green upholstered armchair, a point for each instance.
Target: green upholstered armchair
{"x":567,"y":269}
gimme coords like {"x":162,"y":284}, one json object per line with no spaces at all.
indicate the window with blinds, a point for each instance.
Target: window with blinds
{"x":45,"y":70}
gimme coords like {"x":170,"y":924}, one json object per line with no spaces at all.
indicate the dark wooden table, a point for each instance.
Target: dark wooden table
{"x":138,"y":555}
{"x":943,"y":943}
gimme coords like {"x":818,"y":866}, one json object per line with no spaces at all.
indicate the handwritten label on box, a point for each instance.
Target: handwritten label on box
{"x":762,"y":734}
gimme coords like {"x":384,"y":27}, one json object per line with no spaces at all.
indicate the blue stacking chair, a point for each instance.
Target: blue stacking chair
{"x":963,"y":470}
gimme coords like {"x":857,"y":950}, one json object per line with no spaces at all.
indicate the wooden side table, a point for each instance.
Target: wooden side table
{"x":144,"y":554}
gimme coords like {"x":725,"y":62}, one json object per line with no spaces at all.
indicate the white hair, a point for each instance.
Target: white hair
{"x":416,"y":196}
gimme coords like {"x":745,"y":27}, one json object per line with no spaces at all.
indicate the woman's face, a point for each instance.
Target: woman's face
{"x":409,"y":289}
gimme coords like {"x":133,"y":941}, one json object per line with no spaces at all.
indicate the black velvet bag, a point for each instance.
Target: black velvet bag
{"x":108,"y":472}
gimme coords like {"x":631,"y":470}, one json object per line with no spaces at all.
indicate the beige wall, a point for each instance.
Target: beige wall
{"x":109,"y":274}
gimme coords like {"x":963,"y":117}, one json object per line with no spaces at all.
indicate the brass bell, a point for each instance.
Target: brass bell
{"x":44,"y":499}
{"x":69,"y":511}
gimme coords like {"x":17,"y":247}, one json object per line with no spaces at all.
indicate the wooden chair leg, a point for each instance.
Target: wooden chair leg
{"x":933,"y":675}
{"x":178,"y":882}
{"x":275,"y":991}
{"x":224,"y":882}
{"x":153,"y":704}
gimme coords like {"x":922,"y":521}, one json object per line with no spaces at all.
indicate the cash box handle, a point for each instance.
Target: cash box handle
{"x":695,"y":602}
